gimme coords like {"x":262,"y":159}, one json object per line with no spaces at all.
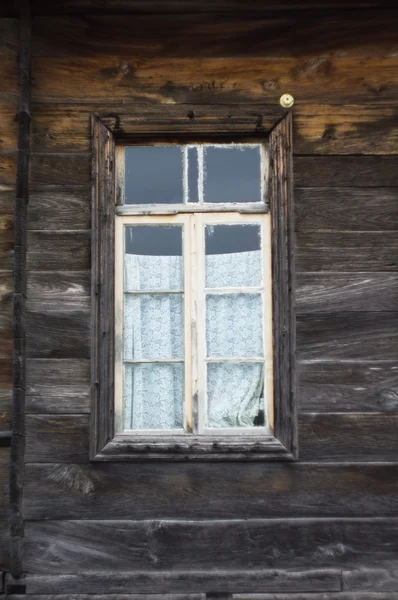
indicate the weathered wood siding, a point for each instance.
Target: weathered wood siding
{"x":304,"y":527}
{"x":9,"y":93}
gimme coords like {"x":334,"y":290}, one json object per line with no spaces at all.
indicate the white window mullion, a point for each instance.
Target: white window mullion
{"x":188,"y":261}
{"x":201,"y":322}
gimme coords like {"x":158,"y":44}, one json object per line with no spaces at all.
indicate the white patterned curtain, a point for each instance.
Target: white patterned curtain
{"x":153,"y":330}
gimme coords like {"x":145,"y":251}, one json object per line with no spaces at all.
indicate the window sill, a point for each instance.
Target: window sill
{"x":193,"y":448}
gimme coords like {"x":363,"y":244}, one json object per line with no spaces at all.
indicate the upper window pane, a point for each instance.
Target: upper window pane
{"x":232,"y":173}
{"x":193,"y":173}
{"x":153,"y":175}
{"x":153,"y":257}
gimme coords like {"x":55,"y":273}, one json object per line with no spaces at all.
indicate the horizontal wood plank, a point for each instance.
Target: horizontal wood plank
{"x":338,"y":171}
{"x":58,"y":330}
{"x":60,"y":169}
{"x":362,"y":34}
{"x":203,"y":491}
{"x":320,"y":129}
{"x":346,"y":208}
{"x":348,"y":251}
{"x":57,"y":386}
{"x":339,"y":292}
{"x":59,"y":207}
{"x":76,"y":7}
{"x":351,"y":437}
{"x":366,"y":336}
{"x":161,"y":545}
{"x":42,"y":285}
{"x":59,"y":250}
{"x":344,"y":386}
{"x":241,"y":596}
{"x":213,"y":581}
{"x":181,"y":80}
{"x":375,"y":580}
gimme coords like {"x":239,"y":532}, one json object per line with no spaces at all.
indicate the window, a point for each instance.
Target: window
{"x":193,"y":331}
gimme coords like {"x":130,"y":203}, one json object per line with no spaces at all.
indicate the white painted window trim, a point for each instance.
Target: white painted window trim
{"x":194,"y":321}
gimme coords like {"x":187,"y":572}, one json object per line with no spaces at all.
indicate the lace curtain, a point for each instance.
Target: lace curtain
{"x":153,"y":331}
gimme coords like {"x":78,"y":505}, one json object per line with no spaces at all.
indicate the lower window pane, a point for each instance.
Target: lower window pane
{"x":153,"y":396}
{"x":235,"y":395}
{"x":234,"y":325}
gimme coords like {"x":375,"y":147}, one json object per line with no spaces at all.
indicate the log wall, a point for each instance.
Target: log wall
{"x":327,"y":525}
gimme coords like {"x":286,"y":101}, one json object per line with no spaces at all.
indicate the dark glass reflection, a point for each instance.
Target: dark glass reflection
{"x":232,"y":174}
{"x":153,"y":175}
{"x":227,"y":239}
{"x":154,"y":240}
{"x":193,"y":175}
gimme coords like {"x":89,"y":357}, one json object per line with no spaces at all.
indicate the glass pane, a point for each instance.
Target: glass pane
{"x":153,"y":175}
{"x":153,"y":396}
{"x":193,"y":174}
{"x":153,"y":257}
{"x":235,"y":395}
{"x":232,"y":174}
{"x":234,"y":325}
{"x":153,"y":326}
{"x":233,"y":255}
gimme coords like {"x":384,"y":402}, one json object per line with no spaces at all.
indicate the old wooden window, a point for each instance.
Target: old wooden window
{"x":193,"y":335}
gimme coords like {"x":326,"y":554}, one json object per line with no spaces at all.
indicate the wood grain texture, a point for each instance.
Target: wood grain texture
{"x":376,"y":580}
{"x":203,"y":491}
{"x":59,"y":207}
{"x":347,"y":336}
{"x":346,"y":251}
{"x":58,"y":330}
{"x":344,"y":386}
{"x":338,"y":292}
{"x":345,"y":437}
{"x":44,"y":285}
{"x":60,"y":169}
{"x":320,"y":129}
{"x":350,"y":437}
{"x":76,"y":7}
{"x":241,"y":596}
{"x":294,"y":34}
{"x":192,"y":581}
{"x":59,"y":250}
{"x":162,"y":545}
{"x":57,"y":386}
{"x":211,"y":80}
{"x":346,"y":208}
{"x":346,"y":171}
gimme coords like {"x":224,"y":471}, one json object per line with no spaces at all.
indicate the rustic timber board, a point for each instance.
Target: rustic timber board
{"x":329,"y":437}
{"x":61,"y":386}
{"x":202,"y":491}
{"x":174,"y":545}
{"x":214,"y":80}
{"x":365,"y":33}
{"x":317,"y":129}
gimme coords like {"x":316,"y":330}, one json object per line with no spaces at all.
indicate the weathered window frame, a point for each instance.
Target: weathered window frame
{"x":107,"y":131}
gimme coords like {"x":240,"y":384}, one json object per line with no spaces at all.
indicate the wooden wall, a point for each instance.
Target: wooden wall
{"x":9,"y":92}
{"x":326,"y":524}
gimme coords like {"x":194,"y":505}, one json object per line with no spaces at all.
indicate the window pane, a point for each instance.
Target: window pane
{"x":234,"y":325}
{"x":232,"y":174}
{"x":153,"y":396}
{"x":153,"y":174}
{"x":193,"y":174}
{"x":233,"y":255}
{"x":235,"y":395}
{"x":153,"y":257}
{"x":153,"y":326}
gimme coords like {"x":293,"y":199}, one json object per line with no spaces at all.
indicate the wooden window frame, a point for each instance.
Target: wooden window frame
{"x":176,"y":123}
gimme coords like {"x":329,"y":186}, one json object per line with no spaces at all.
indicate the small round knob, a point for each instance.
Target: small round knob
{"x":286,"y":100}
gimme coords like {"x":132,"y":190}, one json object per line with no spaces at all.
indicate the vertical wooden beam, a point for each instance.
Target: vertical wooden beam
{"x":19,"y":299}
